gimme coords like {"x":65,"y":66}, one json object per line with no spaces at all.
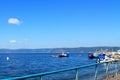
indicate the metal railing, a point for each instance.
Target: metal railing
{"x":41,"y":75}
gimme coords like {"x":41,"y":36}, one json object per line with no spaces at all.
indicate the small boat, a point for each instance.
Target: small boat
{"x":62,"y":55}
{"x":92,"y":55}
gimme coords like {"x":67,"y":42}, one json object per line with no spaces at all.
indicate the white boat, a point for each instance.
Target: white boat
{"x":104,"y":58}
{"x":62,"y":55}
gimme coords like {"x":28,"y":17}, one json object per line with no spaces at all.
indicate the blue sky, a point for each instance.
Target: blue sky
{"x":59,"y":23}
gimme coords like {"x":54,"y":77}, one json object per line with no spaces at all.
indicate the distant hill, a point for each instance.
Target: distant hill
{"x":58,"y":50}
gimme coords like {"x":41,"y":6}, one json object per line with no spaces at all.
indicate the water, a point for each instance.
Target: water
{"x":14,"y":64}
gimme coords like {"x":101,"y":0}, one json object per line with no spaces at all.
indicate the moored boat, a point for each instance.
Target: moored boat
{"x":92,"y":55}
{"x":62,"y":55}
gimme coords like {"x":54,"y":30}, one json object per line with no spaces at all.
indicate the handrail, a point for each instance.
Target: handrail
{"x":63,"y":70}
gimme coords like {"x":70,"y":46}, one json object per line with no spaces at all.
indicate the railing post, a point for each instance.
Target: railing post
{"x":96,"y":66}
{"x":76,"y":74}
{"x":116,"y":68}
{"x":106,"y":70}
{"x":41,"y":78}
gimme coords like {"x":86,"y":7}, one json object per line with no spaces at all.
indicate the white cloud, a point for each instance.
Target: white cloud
{"x":12,"y":41}
{"x":14,"y":21}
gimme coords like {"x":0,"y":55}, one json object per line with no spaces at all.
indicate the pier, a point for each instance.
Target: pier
{"x":108,"y":76}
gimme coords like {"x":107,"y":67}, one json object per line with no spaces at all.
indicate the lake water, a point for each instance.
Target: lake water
{"x":20,"y":64}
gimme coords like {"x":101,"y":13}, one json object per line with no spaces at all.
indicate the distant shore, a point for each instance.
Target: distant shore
{"x":59,"y":50}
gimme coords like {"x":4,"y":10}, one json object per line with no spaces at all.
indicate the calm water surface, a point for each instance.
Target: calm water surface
{"x":20,"y":64}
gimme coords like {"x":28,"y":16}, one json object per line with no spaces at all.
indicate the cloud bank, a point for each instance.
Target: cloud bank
{"x":14,"y":21}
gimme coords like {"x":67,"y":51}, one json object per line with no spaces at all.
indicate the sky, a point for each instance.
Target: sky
{"x":59,"y":23}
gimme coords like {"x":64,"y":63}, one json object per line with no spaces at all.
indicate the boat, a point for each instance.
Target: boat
{"x":92,"y":55}
{"x":109,"y":56}
{"x":104,"y":58}
{"x":62,"y":55}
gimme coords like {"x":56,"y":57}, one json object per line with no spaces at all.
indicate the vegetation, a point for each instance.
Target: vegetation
{"x":58,"y":50}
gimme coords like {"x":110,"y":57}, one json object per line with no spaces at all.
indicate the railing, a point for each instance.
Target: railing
{"x":41,"y":75}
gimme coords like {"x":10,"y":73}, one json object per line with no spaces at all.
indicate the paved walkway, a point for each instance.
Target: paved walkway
{"x":113,"y":77}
